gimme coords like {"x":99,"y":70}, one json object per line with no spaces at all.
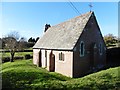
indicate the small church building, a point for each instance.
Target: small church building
{"x":72,"y":48}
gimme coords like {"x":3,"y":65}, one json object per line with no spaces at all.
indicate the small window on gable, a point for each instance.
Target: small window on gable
{"x":82,"y":49}
{"x":61,"y":56}
{"x":100,"y":49}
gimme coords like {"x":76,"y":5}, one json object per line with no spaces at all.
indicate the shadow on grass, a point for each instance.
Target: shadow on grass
{"x":12,"y":79}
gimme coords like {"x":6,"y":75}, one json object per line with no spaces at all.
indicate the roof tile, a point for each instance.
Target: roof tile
{"x":64,"y":35}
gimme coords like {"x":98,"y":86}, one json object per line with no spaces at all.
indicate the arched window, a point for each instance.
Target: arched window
{"x":100,"y":49}
{"x":82,"y":49}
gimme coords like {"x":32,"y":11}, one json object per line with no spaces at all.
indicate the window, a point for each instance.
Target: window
{"x":61,"y":56}
{"x":82,"y":50}
{"x":100,"y":49}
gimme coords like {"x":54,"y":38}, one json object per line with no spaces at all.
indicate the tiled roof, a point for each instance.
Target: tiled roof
{"x":65,"y":35}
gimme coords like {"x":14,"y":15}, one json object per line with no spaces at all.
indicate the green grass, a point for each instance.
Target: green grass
{"x":22,"y":54}
{"x":23,"y":74}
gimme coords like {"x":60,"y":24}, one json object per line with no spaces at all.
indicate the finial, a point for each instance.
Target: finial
{"x":90,"y":5}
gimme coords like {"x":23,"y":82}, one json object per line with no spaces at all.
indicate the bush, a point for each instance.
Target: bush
{"x":27,"y":56}
{"x":18,"y":57}
{"x":30,"y":44}
{"x":113,"y":56}
{"x":5,"y":59}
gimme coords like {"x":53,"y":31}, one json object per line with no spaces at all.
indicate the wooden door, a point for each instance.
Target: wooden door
{"x":52,"y":62}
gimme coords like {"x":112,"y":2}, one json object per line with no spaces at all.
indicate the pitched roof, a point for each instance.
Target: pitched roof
{"x":65,"y":35}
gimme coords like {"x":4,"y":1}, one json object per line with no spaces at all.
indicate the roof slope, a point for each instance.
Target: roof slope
{"x":64,"y":35}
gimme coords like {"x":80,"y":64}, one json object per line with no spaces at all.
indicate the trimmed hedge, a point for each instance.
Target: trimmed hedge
{"x":113,"y":55}
{"x":27,"y":56}
{"x":17,"y":51}
{"x":7,"y":59}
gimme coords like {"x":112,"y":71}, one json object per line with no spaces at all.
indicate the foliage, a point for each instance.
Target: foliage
{"x":23,"y":74}
{"x":31,"y":40}
{"x":27,"y":56}
{"x":30,"y":44}
{"x":110,"y":40}
{"x":37,"y":39}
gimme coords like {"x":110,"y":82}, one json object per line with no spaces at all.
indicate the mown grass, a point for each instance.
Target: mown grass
{"x":23,"y":74}
{"x":17,"y":54}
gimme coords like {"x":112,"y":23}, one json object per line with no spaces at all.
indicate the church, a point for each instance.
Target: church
{"x":72,"y":48}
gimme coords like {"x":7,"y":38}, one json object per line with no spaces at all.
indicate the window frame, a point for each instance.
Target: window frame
{"x":61,"y":56}
{"x":100,"y":48}
{"x":82,"y":49}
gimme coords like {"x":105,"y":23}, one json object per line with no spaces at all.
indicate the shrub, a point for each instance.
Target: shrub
{"x":27,"y":56}
{"x":113,"y":56}
{"x":18,"y":57}
{"x":5,"y":59}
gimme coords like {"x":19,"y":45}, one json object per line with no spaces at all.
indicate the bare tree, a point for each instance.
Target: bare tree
{"x":13,"y":43}
{"x":22,"y":43}
{"x":14,"y":34}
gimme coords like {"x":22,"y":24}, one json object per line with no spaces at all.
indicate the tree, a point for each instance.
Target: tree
{"x":13,"y":43}
{"x":33,"y":40}
{"x":14,"y":34}
{"x":30,"y":39}
{"x":37,"y":39}
{"x":22,"y":43}
{"x":110,"y":39}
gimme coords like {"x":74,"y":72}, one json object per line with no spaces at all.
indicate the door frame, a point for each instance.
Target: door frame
{"x":39,"y":63}
{"x":52,"y":62}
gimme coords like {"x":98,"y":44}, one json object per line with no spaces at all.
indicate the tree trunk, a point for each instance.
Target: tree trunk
{"x":12,"y":56}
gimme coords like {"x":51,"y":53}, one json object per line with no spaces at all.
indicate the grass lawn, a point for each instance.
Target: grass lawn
{"x":22,"y":54}
{"x":23,"y":74}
